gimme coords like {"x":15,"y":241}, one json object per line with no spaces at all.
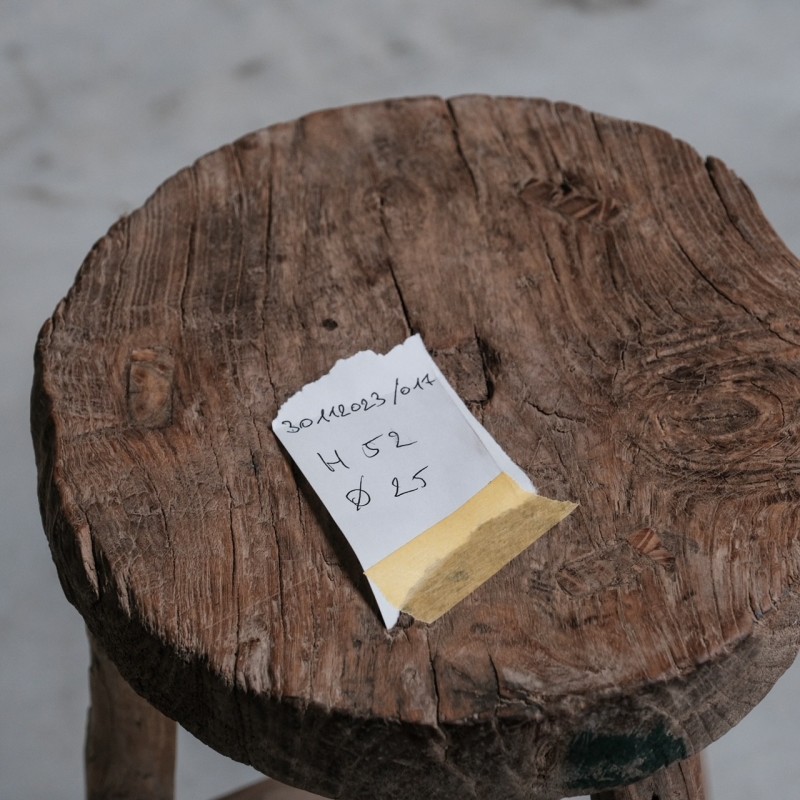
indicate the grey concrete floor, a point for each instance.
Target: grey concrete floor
{"x":100,"y":101}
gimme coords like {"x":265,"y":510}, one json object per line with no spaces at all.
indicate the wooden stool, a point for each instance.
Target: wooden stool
{"x":616,"y":311}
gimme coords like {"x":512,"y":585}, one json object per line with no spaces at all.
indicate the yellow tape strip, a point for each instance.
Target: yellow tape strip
{"x":441,"y":566}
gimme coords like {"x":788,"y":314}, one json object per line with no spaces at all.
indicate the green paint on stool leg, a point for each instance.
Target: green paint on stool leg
{"x":603,"y":761}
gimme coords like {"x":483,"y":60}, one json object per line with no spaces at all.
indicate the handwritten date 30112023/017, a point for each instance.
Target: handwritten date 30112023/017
{"x":374,"y":400}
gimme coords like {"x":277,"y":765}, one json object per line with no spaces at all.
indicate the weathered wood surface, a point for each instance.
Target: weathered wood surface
{"x":130,"y":747}
{"x":682,"y":780}
{"x":614,"y":308}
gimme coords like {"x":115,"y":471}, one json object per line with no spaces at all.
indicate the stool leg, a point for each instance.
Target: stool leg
{"x":680,"y":781}
{"x":130,"y":747}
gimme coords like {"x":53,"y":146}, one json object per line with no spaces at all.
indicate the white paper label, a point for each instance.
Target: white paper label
{"x":389,"y":448}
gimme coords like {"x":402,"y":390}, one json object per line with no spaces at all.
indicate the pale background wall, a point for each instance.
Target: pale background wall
{"x":100,"y":100}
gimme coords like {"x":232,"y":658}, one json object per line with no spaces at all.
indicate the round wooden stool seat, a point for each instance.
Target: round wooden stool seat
{"x":613,"y":308}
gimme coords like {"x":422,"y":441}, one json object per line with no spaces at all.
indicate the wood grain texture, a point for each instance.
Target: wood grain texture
{"x":616,"y":311}
{"x":130,"y":747}
{"x":682,"y":780}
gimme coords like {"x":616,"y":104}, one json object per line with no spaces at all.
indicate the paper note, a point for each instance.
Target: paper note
{"x":393,"y":453}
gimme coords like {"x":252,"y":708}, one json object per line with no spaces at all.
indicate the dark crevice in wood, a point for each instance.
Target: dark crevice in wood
{"x":434,"y":675}
{"x":490,"y":361}
{"x":551,"y":262}
{"x":270,"y":221}
{"x":554,"y":413}
{"x":187,"y":275}
{"x":401,"y":297}
{"x":391,"y":267}
{"x":234,"y":567}
{"x":712,"y":165}
{"x":460,"y":150}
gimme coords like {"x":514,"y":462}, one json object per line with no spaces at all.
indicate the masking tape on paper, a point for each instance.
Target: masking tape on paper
{"x":440,"y":567}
